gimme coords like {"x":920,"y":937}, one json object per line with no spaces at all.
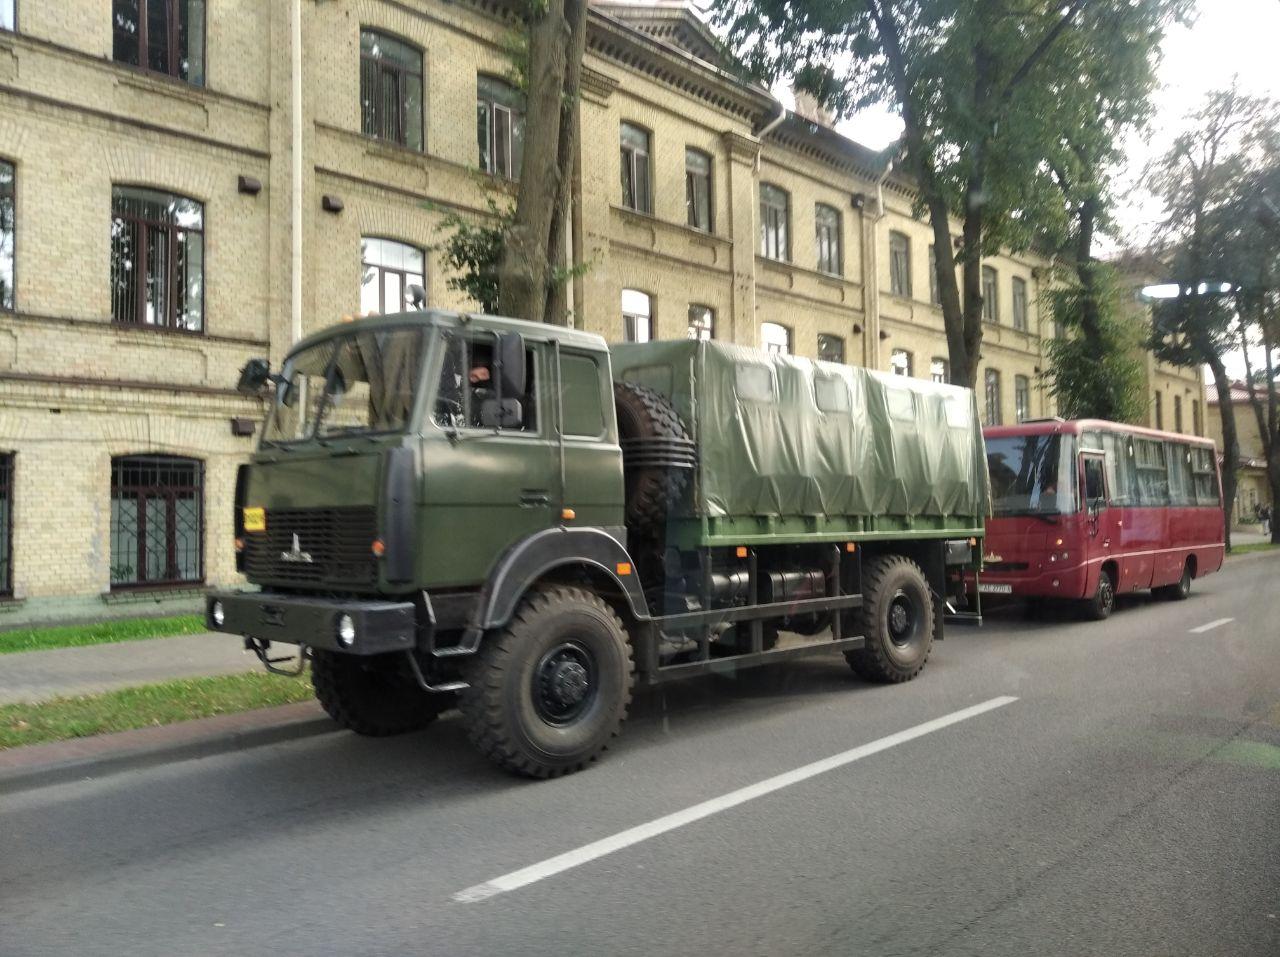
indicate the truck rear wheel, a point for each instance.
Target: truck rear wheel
{"x":372,"y":696}
{"x":897,"y":621}
{"x":548,"y":692}
{"x":650,"y":489}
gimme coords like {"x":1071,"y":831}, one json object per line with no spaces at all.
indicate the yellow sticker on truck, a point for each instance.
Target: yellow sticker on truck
{"x":255,"y":519}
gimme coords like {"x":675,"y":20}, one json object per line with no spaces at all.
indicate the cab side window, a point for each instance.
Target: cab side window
{"x":468,"y":393}
{"x":583,"y":404}
{"x":1095,"y":488}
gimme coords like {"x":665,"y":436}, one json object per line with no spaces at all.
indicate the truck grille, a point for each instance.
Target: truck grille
{"x":337,"y":542}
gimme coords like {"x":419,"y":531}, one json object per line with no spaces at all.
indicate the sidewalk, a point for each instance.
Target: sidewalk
{"x":37,"y":675}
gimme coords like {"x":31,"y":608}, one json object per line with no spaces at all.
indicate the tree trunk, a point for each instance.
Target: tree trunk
{"x":524,"y":269}
{"x":1090,"y":313}
{"x":557,"y":307}
{"x":1230,"y":438}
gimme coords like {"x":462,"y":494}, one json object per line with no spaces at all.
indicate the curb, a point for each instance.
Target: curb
{"x":41,"y":765}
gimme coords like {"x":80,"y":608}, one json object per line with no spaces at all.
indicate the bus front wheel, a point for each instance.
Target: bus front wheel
{"x":1103,"y":602}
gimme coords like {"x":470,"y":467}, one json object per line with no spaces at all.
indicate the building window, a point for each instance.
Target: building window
{"x":6,"y":524}
{"x":8,"y":235}
{"x":702,"y":322}
{"x":934,"y":296}
{"x":775,"y":215}
{"x":8,"y":19}
{"x":499,"y":126}
{"x":161,"y":36}
{"x":637,"y":316}
{"x":389,"y":269}
{"x":900,"y":362}
{"x":1019,"y":303}
{"x":992,"y":383}
{"x":390,"y":90}
{"x":1177,"y":413}
{"x":636,"y":173}
{"x":1196,"y":424}
{"x":697,"y":189}
{"x":830,"y":348}
{"x":939,"y":370}
{"x":775,"y":338}
{"x":990,"y":304}
{"x":157,"y":520}
{"x":900,"y":265}
{"x":157,"y":259}
{"x":1159,"y":411}
{"x":1021,"y":398}
{"x":830,"y":255}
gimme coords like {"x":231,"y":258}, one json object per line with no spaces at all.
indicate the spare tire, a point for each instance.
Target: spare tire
{"x":650,"y":489}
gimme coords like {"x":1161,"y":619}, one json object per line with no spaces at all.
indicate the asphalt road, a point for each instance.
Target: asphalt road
{"x":1127,"y":802}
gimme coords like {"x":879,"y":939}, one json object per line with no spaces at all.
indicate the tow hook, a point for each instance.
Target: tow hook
{"x":261,"y":648}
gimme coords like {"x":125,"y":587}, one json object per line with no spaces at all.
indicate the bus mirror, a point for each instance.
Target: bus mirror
{"x":255,"y":374}
{"x":510,"y":363}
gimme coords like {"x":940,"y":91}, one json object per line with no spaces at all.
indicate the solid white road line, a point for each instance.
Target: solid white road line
{"x":642,"y":832}
{"x":1211,"y":625}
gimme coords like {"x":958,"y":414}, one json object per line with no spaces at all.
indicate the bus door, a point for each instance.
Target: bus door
{"x":1101,"y":518}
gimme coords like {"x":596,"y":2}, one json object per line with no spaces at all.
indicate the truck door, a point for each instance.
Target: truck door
{"x":1101,"y":540}
{"x":490,"y":469}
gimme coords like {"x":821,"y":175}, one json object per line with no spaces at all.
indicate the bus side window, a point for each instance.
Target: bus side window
{"x":1095,"y":488}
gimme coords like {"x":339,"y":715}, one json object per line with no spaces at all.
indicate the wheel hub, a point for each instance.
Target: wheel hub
{"x":564,"y":683}
{"x":569,"y":683}
{"x":901,"y":619}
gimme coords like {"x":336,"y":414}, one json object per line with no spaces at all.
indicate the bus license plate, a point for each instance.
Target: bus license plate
{"x":992,"y":588}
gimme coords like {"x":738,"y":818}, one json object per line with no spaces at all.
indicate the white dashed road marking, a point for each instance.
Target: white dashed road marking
{"x":642,"y":832}
{"x":1211,"y":625}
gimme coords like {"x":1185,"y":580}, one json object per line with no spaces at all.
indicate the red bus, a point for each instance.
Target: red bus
{"x":1088,"y":509}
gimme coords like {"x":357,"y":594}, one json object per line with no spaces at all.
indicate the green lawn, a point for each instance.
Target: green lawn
{"x":144,"y":706}
{"x":1253,"y":547}
{"x":74,"y":636}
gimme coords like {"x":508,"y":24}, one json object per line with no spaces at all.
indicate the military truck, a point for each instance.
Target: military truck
{"x":525,"y":523}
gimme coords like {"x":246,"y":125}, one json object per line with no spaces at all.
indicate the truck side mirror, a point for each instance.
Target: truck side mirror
{"x":510,"y":364}
{"x":255,"y":374}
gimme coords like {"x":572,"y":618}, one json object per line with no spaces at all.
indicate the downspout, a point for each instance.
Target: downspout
{"x":769,"y":128}
{"x":871,"y":275}
{"x":295,"y":216}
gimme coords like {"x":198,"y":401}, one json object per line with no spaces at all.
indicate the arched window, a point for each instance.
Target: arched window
{"x":775,"y":222}
{"x":637,"y":173}
{"x":775,"y":338}
{"x":390,"y":268}
{"x":499,"y":126}
{"x":637,"y":316}
{"x":157,"y":520}
{"x":390,"y":89}
{"x":157,"y":259}
{"x":702,"y":322}
{"x":7,"y":235}
{"x":162,"y":36}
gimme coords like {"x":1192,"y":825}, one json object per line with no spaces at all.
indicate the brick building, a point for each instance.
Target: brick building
{"x":175,"y":197}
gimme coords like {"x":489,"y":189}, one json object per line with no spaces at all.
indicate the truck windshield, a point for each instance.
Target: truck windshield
{"x":1032,"y":474}
{"x":361,"y":383}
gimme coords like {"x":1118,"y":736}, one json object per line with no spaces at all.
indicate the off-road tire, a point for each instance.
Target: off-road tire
{"x":503,"y":707}
{"x":886,"y":580}
{"x":372,"y":696}
{"x":650,"y":491}
{"x":1179,"y":590}
{"x":1103,"y":602}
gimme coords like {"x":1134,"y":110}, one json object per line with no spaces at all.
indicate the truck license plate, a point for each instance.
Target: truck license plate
{"x":992,"y":588}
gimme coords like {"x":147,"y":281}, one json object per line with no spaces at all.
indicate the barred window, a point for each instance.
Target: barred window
{"x":993,"y":416}
{"x":1021,"y":398}
{"x":637,"y":193}
{"x":162,"y":36}
{"x":830,"y":348}
{"x":157,"y":259}
{"x":697,"y":188}
{"x":830,"y":254}
{"x":157,"y":520}
{"x":775,"y":226}
{"x":6,"y":524}
{"x":7,"y":235}
{"x":939,"y":370}
{"x":1019,"y":303}
{"x":990,"y":300}
{"x":389,"y":269}
{"x":899,"y":265}
{"x":499,"y":126}
{"x":390,"y":89}
{"x":702,"y":322}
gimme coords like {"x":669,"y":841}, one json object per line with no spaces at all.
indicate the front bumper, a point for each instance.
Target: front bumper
{"x":380,"y":626}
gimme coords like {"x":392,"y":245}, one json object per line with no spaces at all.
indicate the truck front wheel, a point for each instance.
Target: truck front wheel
{"x":548,"y":692}
{"x":372,"y":696}
{"x":897,"y":621}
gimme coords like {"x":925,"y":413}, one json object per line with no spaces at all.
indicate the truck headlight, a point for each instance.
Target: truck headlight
{"x":346,"y":631}
{"x":218,"y":614}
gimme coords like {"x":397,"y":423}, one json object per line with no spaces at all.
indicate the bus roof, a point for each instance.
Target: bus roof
{"x":1076,"y":426}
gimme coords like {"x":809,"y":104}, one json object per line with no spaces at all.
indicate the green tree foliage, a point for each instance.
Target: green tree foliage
{"x":985,"y":89}
{"x":1100,"y":375}
{"x":471,"y":251}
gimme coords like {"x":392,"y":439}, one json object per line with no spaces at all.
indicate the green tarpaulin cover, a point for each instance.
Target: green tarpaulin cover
{"x":785,"y":436}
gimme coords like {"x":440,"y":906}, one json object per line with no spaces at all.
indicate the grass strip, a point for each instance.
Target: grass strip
{"x":1252,"y":547}
{"x":103,"y":632}
{"x":166,"y":703}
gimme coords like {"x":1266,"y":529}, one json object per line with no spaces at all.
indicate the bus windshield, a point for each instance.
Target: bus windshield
{"x":1032,"y":474}
{"x":361,"y":383}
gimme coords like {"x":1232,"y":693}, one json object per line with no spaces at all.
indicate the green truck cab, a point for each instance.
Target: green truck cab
{"x":513,"y":518}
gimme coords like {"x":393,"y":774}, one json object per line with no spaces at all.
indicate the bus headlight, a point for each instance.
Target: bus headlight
{"x":346,"y":631}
